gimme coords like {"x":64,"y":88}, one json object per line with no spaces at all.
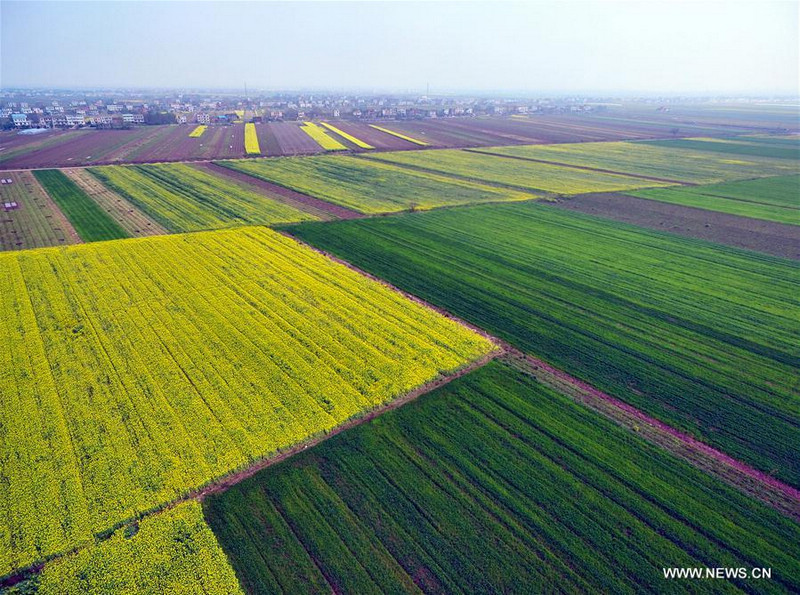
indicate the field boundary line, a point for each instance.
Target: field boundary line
{"x":778,"y":495}
{"x":584,"y":167}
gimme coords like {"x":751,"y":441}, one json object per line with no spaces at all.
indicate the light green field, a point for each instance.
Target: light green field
{"x":370,"y":186}
{"x":771,"y":199}
{"x":536,"y":177}
{"x":184,"y":198}
{"x":672,"y":163}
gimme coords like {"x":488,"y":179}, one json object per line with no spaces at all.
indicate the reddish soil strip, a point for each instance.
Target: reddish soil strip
{"x":301,"y":201}
{"x":778,"y":239}
{"x":753,"y":482}
{"x":585,"y":167}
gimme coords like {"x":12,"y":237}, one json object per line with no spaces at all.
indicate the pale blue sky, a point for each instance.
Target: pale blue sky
{"x":652,"y":47}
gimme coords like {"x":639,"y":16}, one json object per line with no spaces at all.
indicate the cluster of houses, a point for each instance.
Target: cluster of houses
{"x":126,"y":109}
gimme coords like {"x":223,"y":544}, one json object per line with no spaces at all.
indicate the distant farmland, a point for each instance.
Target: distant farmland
{"x":628,"y":310}
{"x":492,"y":484}
{"x":143,"y":369}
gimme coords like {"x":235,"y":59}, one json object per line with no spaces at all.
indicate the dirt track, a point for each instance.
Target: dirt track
{"x":777,"y":239}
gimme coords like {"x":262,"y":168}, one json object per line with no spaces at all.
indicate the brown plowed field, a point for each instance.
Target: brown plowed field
{"x":741,"y":232}
{"x":292,"y":140}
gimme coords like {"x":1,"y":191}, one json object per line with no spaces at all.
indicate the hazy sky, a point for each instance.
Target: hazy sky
{"x":546,"y":46}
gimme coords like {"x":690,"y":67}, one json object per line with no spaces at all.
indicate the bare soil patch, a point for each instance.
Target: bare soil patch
{"x":777,"y":239}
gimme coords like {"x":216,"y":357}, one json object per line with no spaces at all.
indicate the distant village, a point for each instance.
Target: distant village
{"x":69,"y":109}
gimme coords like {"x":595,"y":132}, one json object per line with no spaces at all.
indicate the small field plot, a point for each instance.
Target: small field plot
{"x":771,"y":199}
{"x":139,"y":370}
{"x":671,"y":163}
{"x":292,"y":140}
{"x":92,"y":223}
{"x":28,"y":216}
{"x":529,"y":175}
{"x":759,"y":147}
{"x":172,"y":552}
{"x":702,"y":336}
{"x":184,"y":198}
{"x":493,"y":484}
{"x":371,"y":186}
{"x":130,"y":218}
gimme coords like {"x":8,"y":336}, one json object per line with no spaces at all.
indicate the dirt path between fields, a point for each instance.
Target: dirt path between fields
{"x":585,"y":167}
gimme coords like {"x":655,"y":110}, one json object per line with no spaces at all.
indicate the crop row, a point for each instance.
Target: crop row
{"x":701,"y":336}
{"x":371,"y":186}
{"x":137,"y":371}
{"x":493,"y":484}
{"x":185,"y":198}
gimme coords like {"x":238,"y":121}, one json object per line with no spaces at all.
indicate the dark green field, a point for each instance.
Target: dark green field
{"x":771,"y":199}
{"x":701,"y":336}
{"x":494,"y":483}
{"x":91,"y":222}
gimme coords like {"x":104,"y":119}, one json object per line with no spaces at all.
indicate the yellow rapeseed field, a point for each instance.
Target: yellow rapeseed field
{"x":136,"y":371}
{"x":172,"y":552}
{"x":398,"y":135}
{"x":198,"y":131}
{"x":323,"y":140}
{"x":251,"y":146}
{"x":356,"y":141}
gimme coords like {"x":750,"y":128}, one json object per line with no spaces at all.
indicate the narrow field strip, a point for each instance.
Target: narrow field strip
{"x":324,"y":140}
{"x":251,"y":146}
{"x":92,"y":223}
{"x":147,"y":369}
{"x":198,"y":131}
{"x":402,"y":136}
{"x":356,"y":141}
